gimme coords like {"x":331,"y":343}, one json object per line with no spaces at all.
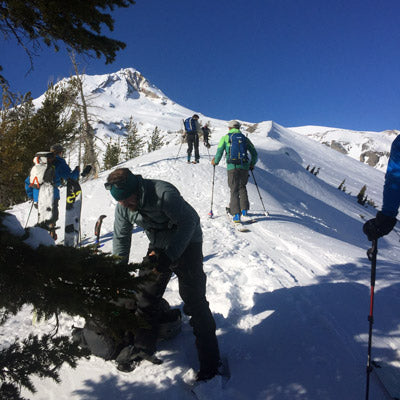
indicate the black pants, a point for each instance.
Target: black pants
{"x":54,"y":218}
{"x":192,"y":289}
{"x":193,"y":141}
{"x":237,"y":181}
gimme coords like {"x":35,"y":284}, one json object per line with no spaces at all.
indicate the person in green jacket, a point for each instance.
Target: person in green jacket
{"x":174,"y":232}
{"x":238,"y":167}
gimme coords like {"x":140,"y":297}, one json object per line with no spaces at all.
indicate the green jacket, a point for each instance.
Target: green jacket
{"x":168,"y":220}
{"x":224,"y":145}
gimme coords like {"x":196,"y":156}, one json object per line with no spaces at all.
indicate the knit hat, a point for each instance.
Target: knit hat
{"x":121,"y":190}
{"x":234,"y":124}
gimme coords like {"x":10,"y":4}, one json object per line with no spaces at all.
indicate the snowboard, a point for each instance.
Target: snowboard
{"x":45,"y":203}
{"x":73,"y":213}
{"x":73,"y":210}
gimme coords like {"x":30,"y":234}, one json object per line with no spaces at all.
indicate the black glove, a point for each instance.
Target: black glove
{"x":160,"y":261}
{"x":379,"y":226}
{"x":163,"y":262}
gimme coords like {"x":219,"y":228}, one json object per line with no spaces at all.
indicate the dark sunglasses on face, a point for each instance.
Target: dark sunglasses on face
{"x":118,"y":185}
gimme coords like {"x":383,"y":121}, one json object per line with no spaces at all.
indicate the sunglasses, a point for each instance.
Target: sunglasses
{"x":118,"y":185}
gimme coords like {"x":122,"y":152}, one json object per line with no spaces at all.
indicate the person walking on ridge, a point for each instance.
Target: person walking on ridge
{"x":237,"y":146}
{"x":192,"y":130}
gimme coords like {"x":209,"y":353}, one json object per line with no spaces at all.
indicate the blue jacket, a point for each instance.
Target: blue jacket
{"x":391,"y":189}
{"x":62,"y":171}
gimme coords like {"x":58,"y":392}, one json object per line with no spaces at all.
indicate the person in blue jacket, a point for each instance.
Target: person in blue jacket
{"x":61,"y":172}
{"x":385,"y":219}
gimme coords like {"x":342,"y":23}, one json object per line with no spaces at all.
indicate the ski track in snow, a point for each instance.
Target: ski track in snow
{"x":290,"y":297}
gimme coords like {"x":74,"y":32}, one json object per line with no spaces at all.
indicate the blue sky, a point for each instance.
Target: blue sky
{"x":297,"y":62}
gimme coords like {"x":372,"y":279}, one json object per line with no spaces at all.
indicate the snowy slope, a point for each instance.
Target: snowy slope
{"x":290,"y":297}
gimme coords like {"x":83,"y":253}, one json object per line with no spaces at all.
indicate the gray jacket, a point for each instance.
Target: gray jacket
{"x":169,"y":221}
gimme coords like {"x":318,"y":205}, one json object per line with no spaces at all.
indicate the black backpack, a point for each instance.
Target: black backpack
{"x":100,"y":343}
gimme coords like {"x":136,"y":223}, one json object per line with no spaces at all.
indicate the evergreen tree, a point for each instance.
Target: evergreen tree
{"x":133,"y":143}
{"x":155,"y":140}
{"x":58,"y":279}
{"x":77,"y":24}
{"x":342,"y":187}
{"x":111,"y":156}
{"x":15,"y":132}
{"x":361,"y":197}
{"x":25,"y":131}
{"x":56,"y":120}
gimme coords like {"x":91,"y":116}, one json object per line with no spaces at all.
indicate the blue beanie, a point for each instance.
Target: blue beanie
{"x":125,"y":189}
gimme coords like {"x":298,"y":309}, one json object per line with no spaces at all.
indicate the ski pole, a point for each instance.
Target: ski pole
{"x":372,"y":257}
{"x":97,"y":230}
{"x":210,"y":214}
{"x":176,"y":157}
{"x":255,"y":182}
{"x":29,"y":214}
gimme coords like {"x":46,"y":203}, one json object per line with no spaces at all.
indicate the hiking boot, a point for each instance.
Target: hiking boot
{"x":236,"y":218}
{"x":128,"y":366}
{"x":205,"y":375}
{"x":245,"y":216}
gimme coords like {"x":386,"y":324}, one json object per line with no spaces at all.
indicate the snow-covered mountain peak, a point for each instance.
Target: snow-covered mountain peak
{"x":127,"y":83}
{"x":113,"y":99}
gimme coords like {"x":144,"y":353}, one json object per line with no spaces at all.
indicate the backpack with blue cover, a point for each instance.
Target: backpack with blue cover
{"x":189,"y":125}
{"x":238,"y":149}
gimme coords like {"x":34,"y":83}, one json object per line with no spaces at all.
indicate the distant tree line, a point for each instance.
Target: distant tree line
{"x":362,"y":197}
{"x":130,"y":146}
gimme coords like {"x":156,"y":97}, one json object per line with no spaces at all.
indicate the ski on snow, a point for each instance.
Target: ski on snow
{"x":239,"y":226}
